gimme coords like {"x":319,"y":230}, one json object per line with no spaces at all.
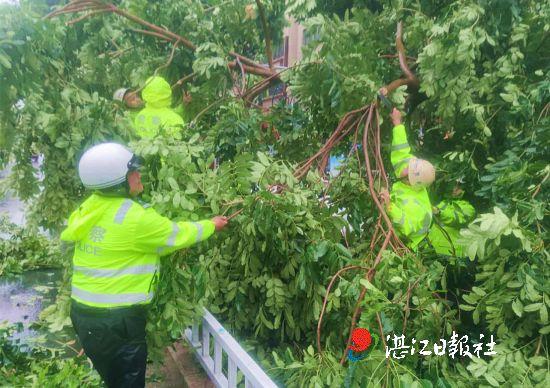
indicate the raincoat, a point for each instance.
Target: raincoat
{"x":118,"y":244}
{"x":157,"y":115}
{"x":410,"y":209}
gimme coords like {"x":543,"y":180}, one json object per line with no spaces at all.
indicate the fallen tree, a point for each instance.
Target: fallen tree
{"x":284,"y":260}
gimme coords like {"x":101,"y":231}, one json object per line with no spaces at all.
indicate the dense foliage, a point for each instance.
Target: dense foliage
{"x":40,"y":366}
{"x":24,"y":249}
{"x":481,"y":117}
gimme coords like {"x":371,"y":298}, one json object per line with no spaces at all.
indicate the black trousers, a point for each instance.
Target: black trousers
{"x":114,"y":339}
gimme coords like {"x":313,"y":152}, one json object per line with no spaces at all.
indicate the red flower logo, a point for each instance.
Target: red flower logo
{"x":361,"y":340}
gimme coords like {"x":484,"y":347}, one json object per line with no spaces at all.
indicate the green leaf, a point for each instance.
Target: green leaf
{"x":491,"y":380}
{"x":532,"y":307}
{"x":4,"y":60}
{"x":544,"y":314}
{"x":475,"y":315}
{"x":173,"y":184}
{"x":479,"y":291}
{"x":514,"y":284}
{"x":470,"y":298}
{"x":517,"y":306}
{"x":263,"y":159}
{"x":176,"y":199}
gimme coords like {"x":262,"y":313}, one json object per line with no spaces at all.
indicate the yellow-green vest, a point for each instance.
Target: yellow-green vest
{"x":118,"y":244}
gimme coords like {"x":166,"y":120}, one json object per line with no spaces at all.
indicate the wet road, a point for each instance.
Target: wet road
{"x":24,"y":296}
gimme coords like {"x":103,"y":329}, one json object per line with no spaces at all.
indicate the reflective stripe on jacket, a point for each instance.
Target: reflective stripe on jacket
{"x":400,"y":150}
{"x":118,"y":244}
{"x":157,"y":114}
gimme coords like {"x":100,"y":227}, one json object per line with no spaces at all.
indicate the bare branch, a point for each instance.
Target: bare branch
{"x":182,"y":80}
{"x":152,"y":30}
{"x":262,"y":71}
{"x":410,"y":79}
{"x":401,"y":52}
{"x":92,"y":13}
{"x":267,"y":33}
{"x":152,"y":33}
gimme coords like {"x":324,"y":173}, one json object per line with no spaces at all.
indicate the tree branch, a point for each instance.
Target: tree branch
{"x":183,"y":79}
{"x":267,"y":33}
{"x":89,"y":14}
{"x":401,"y":53}
{"x":151,"y":29}
{"x":410,"y":79}
{"x":336,"y":275}
{"x":152,"y":33}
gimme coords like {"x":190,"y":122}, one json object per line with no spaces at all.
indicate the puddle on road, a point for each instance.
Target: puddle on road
{"x":23,"y":297}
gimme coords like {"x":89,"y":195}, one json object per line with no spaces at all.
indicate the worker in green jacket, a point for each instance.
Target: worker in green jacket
{"x":118,"y":244}
{"x":450,"y":217}
{"x":409,"y":206}
{"x":157,"y":115}
{"x":129,"y":99}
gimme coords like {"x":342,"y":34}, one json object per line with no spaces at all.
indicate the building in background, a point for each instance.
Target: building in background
{"x":284,"y":55}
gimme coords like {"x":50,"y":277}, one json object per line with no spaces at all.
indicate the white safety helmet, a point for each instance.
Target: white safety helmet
{"x":106,"y":165}
{"x":421,"y":172}
{"x":118,"y":95}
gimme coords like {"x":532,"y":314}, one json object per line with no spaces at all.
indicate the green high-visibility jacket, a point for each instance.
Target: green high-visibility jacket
{"x":183,"y":111}
{"x":410,"y":208}
{"x":118,"y":244}
{"x":157,"y":114}
{"x":452,"y":215}
{"x":132,"y":114}
{"x":400,"y":150}
{"x":410,"y":211}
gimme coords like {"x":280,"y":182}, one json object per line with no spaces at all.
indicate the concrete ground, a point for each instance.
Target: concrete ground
{"x":180,"y":370}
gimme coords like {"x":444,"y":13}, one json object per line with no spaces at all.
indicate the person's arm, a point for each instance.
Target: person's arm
{"x":400,"y":149}
{"x":173,"y":125}
{"x":158,"y":234}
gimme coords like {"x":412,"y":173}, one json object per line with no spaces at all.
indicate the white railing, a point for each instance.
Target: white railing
{"x":238,"y":359}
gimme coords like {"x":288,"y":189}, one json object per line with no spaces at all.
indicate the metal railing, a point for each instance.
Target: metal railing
{"x":237,"y":358}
